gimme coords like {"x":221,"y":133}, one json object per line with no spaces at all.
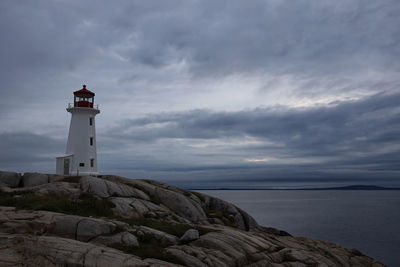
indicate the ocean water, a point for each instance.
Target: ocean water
{"x":366,"y":220}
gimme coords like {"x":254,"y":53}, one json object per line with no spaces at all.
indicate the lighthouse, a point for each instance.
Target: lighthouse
{"x":81,"y":156}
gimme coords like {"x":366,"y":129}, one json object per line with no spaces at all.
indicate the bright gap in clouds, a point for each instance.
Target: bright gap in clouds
{"x":259,"y":160}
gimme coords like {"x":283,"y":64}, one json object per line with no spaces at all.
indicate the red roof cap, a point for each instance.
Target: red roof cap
{"x":84,"y":91}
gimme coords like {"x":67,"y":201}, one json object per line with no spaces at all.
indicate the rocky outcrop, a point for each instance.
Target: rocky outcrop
{"x":123,"y":238}
{"x":189,"y":235}
{"x":115,"y":221}
{"x":104,"y":188}
{"x":33,"y":178}
{"x":10,"y":179}
{"x":30,"y":250}
{"x":181,"y":205}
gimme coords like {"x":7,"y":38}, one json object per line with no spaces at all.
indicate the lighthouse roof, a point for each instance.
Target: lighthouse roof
{"x":84,"y":91}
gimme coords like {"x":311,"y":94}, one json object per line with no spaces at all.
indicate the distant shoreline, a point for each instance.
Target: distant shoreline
{"x":350,"y":187}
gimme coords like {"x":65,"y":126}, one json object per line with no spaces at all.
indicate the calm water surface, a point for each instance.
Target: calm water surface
{"x":366,"y":220}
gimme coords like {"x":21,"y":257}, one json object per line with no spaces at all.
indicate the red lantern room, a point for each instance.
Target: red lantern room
{"x":83,"y":98}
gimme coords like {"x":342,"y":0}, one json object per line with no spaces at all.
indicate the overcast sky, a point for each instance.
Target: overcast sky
{"x":208,"y":94}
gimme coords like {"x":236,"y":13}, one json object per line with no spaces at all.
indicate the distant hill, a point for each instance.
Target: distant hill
{"x":355,"y":187}
{"x":348,"y":187}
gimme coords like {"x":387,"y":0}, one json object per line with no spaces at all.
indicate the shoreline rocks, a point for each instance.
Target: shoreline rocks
{"x":49,"y":220}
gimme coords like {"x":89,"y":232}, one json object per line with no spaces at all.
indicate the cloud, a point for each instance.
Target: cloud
{"x":211,"y":37}
{"x":347,"y":141}
{"x":187,"y":50}
{"x":355,"y":136}
{"x":24,"y":151}
{"x":302,"y":36}
{"x":200,"y":86}
{"x":360,"y":120}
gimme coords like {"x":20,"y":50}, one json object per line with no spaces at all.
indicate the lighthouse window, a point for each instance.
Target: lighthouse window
{"x":92,"y":163}
{"x":90,"y":121}
{"x":91,"y":141}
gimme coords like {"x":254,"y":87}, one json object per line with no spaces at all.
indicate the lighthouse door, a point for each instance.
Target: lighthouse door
{"x":66,"y":166}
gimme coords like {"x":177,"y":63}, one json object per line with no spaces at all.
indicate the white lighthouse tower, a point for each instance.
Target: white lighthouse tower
{"x":81,"y":156}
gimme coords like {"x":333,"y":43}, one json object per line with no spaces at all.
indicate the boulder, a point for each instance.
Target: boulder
{"x":10,"y":179}
{"x":189,"y":235}
{"x":104,"y":188}
{"x":95,"y":186}
{"x":238,"y":250}
{"x":81,"y":228}
{"x":33,"y":178}
{"x":181,"y":205}
{"x":65,"y":189}
{"x":205,"y":257}
{"x":230,"y":213}
{"x":65,"y":226}
{"x":87,"y":229}
{"x":249,"y":221}
{"x":162,"y":237}
{"x":31,"y":221}
{"x":27,"y":250}
{"x":160,"y":263}
{"x":141,"y":185}
{"x":124,"y":238}
{"x":127,"y":239}
{"x":124,"y":209}
{"x":188,"y":259}
{"x":135,"y":208}
{"x":56,"y":177}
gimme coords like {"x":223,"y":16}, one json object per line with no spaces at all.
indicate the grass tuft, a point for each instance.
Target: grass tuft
{"x":226,"y":217}
{"x":176,"y":229}
{"x":85,"y":205}
{"x":149,"y":248}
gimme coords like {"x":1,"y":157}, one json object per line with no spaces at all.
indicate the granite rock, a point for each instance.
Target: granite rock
{"x":189,"y":235}
{"x":156,"y":221}
{"x":9,"y":179}
{"x":33,"y":179}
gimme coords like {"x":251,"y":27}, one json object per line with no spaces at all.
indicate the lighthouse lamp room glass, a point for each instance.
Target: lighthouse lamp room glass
{"x":81,"y":156}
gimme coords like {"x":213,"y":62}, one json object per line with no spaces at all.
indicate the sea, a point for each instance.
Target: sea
{"x":367,"y":220}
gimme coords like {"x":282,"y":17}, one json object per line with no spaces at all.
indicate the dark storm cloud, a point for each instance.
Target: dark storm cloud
{"x":276,"y":36}
{"x":372,"y":119}
{"x":360,"y":134}
{"x":211,"y":36}
{"x":49,"y":46}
